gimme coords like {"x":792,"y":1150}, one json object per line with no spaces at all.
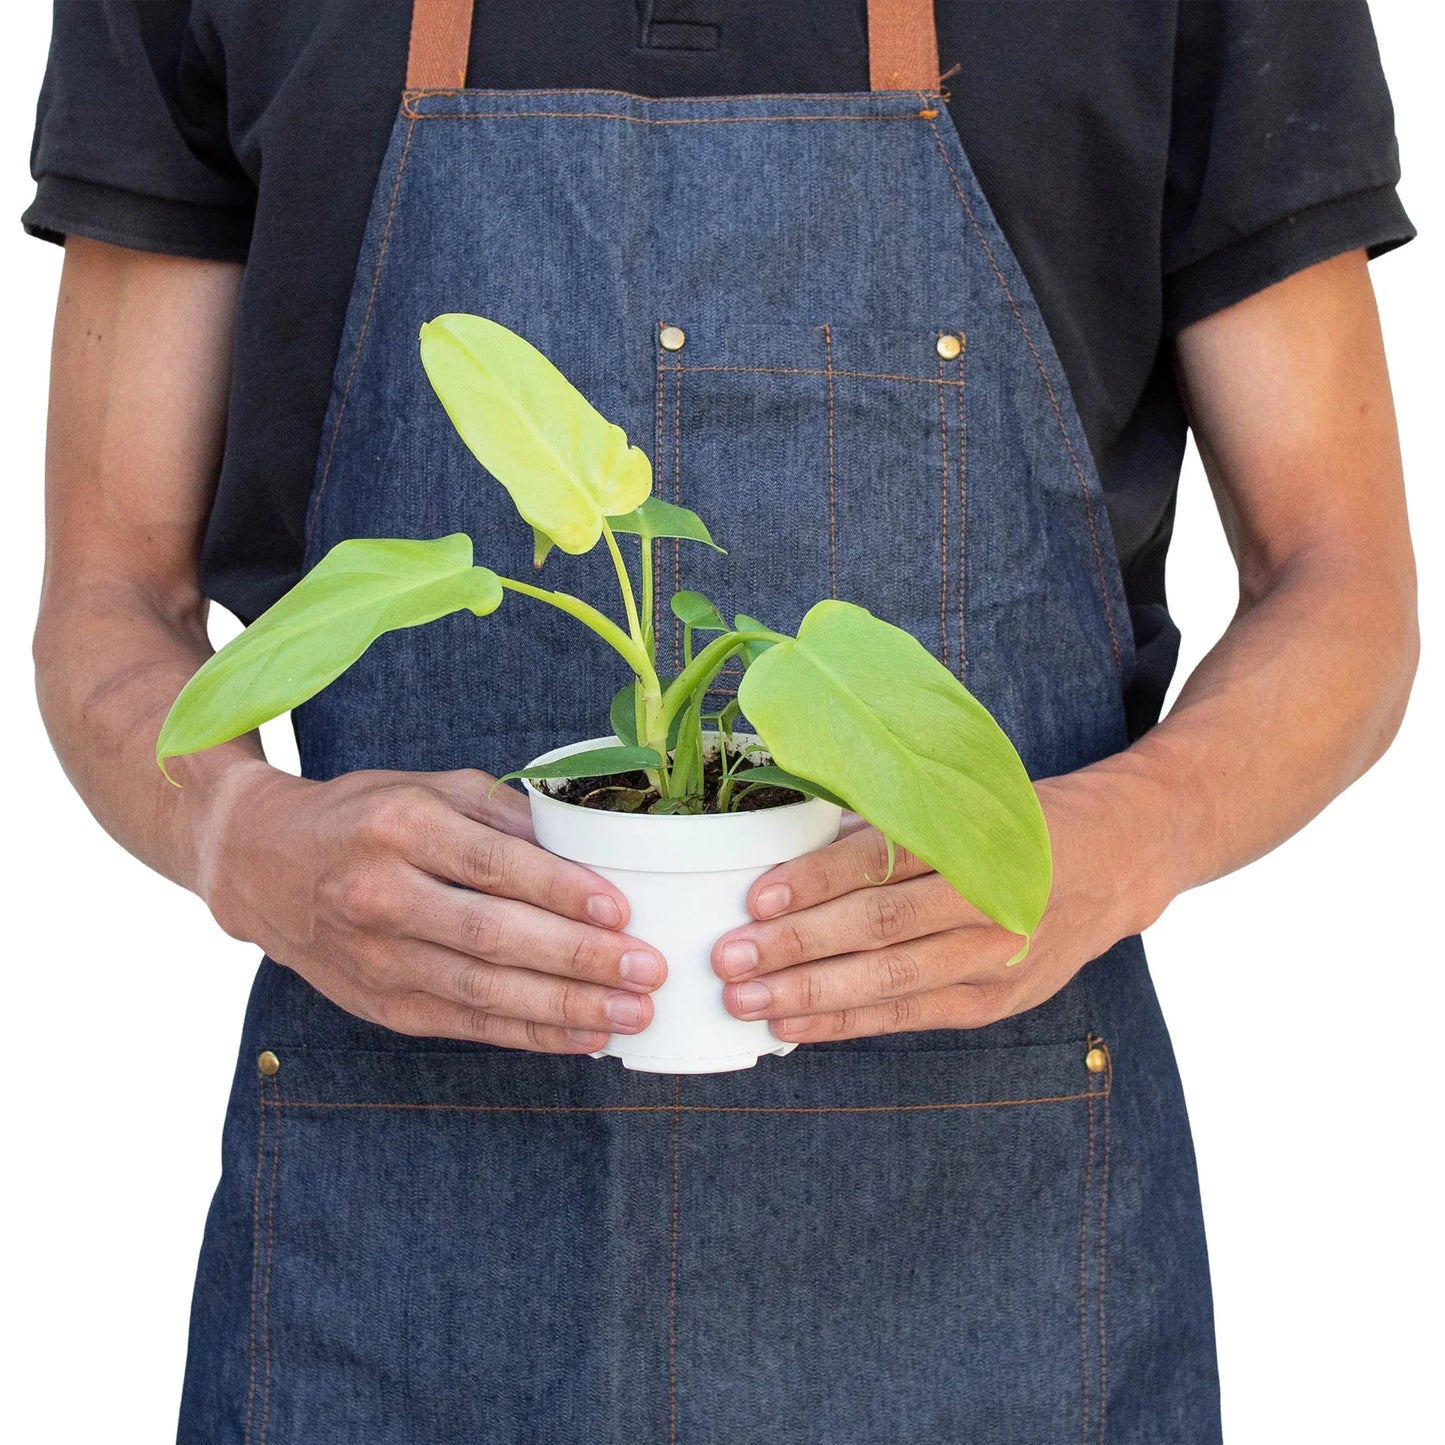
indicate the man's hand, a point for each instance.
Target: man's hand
{"x":350,"y":883}
{"x":1290,"y":403}
{"x":837,"y":957}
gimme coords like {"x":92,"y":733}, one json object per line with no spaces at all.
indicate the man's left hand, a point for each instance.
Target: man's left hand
{"x":835,"y":956}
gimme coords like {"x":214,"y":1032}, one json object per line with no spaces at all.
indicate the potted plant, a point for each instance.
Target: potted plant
{"x":676,"y":805}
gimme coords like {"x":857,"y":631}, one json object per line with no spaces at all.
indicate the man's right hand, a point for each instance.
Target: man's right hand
{"x":350,"y":883}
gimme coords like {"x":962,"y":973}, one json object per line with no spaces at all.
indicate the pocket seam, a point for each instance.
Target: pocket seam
{"x":261,"y":1272}
{"x":1088,"y":1094}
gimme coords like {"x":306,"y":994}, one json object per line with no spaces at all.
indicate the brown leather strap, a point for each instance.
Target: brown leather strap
{"x":902,"y":45}
{"x":441,"y":32}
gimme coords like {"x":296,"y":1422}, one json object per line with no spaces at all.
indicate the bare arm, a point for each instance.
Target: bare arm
{"x":348,"y":881}
{"x":1290,"y":400}
{"x":140,"y":369}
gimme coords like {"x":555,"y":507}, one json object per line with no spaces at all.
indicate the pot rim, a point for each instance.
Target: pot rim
{"x":676,"y":843}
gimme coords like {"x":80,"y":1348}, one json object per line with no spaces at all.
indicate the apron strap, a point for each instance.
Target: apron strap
{"x":441,"y":32}
{"x":902,"y":45}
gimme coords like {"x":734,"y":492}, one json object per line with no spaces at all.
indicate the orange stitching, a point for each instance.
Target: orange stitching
{"x":1083,"y":1274}
{"x":672,"y":1266}
{"x":256,"y":1244}
{"x":1103,"y":1226}
{"x":677,"y":498}
{"x":418,"y":94}
{"x":360,"y":340}
{"x":688,"y":1108}
{"x":416,"y":115}
{"x":822,"y":371}
{"x":943,"y":584}
{"x":270,"y":1257}
{"x":1048,"y":387}
{"x":832,"y":514}
{"x":962,"y":512}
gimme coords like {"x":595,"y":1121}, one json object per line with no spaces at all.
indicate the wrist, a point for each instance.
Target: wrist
{"x":1120,"y":836}
{"x":220,"y":788}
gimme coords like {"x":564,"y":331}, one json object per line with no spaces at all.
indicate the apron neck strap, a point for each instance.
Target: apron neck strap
{"x":441,"y":33}
{"x":902,"y":45}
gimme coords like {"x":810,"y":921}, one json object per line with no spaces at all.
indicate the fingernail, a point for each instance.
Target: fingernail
{"x":591,"y":1037}
{"x":643,"y":968}
{"x":753,"y":997}
{"x":625,"y":1010}
{"x":604,"y":910}
{"x":773,"y":899}
{"x":738,"y":958}
{"x":788,"y":1027}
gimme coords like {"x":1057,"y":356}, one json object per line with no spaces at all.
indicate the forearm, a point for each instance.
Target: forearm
{"x":109,"y":663}
{"x":1300,"y":696}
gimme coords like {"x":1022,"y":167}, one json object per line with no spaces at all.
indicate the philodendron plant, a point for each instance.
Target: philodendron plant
{"x":852,"y":709}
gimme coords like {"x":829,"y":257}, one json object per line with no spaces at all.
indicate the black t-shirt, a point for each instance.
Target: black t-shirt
{"x":1149,"y":162}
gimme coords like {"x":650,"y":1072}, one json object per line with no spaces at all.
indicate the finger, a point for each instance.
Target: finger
{"x":865,"y":919}
{"x":521,"y":993}
{"x":860,"y":980}
{"x":841,"y":867}
{"x":497,"y":863}
{"x":423,"y":1016}
{"x":520,"y":935}
{"x":960,"y":1006}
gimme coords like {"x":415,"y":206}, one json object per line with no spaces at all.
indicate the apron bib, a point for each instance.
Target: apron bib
{"x":803,"y":307}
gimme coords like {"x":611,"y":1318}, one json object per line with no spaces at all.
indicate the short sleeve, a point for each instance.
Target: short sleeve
{"x":130,"y":139}
{"x":1282,"y":151}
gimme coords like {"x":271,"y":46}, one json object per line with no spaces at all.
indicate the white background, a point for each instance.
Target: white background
{"x":1304,"y":993}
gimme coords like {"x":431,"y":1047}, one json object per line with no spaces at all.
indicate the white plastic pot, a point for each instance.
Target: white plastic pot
{"x":686,"y":880}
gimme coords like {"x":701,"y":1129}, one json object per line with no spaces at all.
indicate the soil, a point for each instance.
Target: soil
{"x":619,"y":793}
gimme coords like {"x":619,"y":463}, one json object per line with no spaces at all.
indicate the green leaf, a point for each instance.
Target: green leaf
{"x":310,"y":636}
{"x":782,"y":778}
{"x":565,"y":465}
{"x":656,"y":518}
{"x":696,"y":611}
{"x":541,"y":546}
{"x":623,"y":715}
{"x":687,"y":764}
{"x":727,"y":717}
{"x":866,"y":711}
{"x":751,"y":650}
{"x":692,"y":804}
{"x":595,"y":763}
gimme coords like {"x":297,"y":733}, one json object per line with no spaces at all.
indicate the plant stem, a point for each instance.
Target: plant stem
{"x":645,"y":569}
{"x":624,"y":582}
{"x":700,"y":669}
{"x":635,"y":655}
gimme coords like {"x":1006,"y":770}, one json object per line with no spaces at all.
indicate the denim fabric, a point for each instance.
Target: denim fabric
{"x":929,"y":1237}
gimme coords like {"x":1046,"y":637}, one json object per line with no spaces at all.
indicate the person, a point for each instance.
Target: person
{"x":918,"y":311}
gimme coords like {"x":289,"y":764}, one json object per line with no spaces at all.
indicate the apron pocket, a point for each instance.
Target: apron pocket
{"x":827,"y":459}
{"x":843,"y":1245}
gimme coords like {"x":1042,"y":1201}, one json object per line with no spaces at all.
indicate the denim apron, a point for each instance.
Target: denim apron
{"x":803,"y":307}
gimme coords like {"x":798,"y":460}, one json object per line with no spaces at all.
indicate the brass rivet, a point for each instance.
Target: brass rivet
{"x":1096,"y":1060}
{"x":950,"y":346}
{"x":269,"y":1064}
{"x":672,"y":338}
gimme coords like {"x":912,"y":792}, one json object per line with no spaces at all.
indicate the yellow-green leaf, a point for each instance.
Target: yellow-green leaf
{"x":862,"y":708}
{"x":310,"y":636}
{"x":565,"y":465}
